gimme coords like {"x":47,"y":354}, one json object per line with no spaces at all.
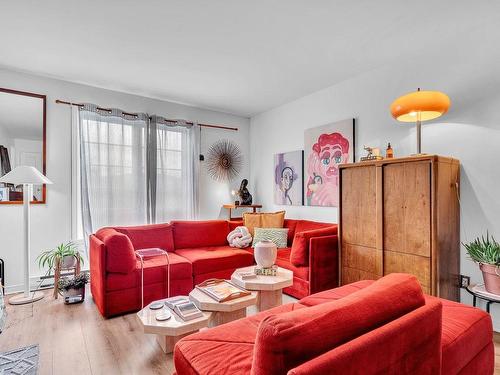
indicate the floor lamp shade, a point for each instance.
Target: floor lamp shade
{"x":420,"y":106}
{"x":26,"y":176}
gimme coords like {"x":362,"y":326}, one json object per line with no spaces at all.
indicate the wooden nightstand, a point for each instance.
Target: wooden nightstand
{"x":232,"y":207}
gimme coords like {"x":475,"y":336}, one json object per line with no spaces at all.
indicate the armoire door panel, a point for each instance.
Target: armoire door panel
{"x":407,"y":208}
{"x":359,"y":206}
{"x":362,"y":258}
{"x":394,"y":207}
{"x":407,"y":263}
{"x":351,"y":275}
{"x":418,"y":208}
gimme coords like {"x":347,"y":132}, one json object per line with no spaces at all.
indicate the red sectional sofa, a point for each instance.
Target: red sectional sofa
{"x":384,"y":327}
{"x":198,"y":250}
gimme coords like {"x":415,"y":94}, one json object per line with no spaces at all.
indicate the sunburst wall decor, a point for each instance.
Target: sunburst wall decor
{"x":224,"y":160}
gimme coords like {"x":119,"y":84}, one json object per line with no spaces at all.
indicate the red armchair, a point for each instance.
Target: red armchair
{"x":198,"y":250}
{"x":384,"y":327}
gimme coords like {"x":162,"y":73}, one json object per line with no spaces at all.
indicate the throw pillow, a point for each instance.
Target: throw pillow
{"x":263,"y":220}
{"x":276,"y":235}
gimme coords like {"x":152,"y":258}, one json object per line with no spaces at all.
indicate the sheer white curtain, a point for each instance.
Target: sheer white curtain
{"x":112,"y":168}
{"x":177,"y":151}
{"x":132,"y":170}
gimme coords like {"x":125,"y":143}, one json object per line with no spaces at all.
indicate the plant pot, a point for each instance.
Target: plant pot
{"x":68,"y":261}
{"x":265,"y":253}
{"x":491,"y":278}
{"x":74,"y":295}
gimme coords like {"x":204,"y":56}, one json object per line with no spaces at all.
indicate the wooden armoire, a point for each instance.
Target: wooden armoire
{"x":402,"y":215}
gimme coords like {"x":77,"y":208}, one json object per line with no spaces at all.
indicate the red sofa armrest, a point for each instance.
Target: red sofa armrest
{"x":120,"y":253}
{"x":97,"y":257}
{"x":323,"y":263}
{"x":299,"y":255}
{"x":408,"y":345}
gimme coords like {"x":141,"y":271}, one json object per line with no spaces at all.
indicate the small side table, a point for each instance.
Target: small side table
{"x":478,"y":291}
{"x":222,"y":312}
{"x":172,"y":330}
{"x":142,"y":254}
{"x":59,"y":269}
{"x":232,"y":207}
{"x":270,"y":287}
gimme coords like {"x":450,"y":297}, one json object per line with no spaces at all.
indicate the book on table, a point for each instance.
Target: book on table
{"x":221,"y":290}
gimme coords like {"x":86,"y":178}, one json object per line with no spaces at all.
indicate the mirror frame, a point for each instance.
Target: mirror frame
{"x":44,"y":142}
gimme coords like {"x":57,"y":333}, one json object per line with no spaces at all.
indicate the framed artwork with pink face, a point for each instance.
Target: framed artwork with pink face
{"x":325,"y":147}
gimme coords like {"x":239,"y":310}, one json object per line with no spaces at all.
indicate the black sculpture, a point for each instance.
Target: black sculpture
{"x":245,"y":196}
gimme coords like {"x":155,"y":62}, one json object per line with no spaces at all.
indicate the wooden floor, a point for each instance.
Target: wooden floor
{"x":76,"y":339}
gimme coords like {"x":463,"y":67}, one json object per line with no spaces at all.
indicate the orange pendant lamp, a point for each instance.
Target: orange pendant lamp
{"x":420,"y":106}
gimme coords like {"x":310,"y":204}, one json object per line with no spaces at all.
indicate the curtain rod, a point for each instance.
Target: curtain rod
{"x":58,"y":101}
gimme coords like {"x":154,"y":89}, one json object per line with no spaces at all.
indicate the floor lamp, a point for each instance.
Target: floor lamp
{"x":26,"y":176}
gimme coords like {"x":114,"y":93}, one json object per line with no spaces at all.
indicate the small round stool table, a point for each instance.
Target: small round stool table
{"x":478,"y":291}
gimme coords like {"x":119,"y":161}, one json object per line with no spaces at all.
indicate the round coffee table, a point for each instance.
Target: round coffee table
{"x":270,"y":287}
{"x":172,"y":330}
{"x":222,"y":312}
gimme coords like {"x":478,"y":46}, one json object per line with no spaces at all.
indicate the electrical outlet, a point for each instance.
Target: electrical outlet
{"x":464,"y":281}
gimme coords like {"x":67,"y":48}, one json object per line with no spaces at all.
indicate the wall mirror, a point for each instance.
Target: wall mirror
{"x":22,"y":140}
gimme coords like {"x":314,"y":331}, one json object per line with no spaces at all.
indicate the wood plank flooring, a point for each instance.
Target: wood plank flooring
{"x":75,"y":339}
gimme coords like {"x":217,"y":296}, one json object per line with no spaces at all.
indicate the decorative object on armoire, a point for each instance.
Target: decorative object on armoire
{"x":64,"y":257}
{"x":265,"y":253}
{"x":240,"y":237}
{"x":325,"y":148}
{"x":73,"y":288}
{"x":279,"y":236}
{"x":245,"y":196}
{"x":402,"y":215}
{"x":263,"y":220}
{"x":486,"y":252}
{"x":289,"y":178}
{"x":27,"y":176}
{"x":373,"y":153}
{"x":420,"y":106}
{"x":389,"y":152}
{"x":224,"y":160}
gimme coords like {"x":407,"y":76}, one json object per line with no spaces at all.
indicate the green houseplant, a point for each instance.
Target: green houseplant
{"x":486,"y":252}
{"x":67,"y":254}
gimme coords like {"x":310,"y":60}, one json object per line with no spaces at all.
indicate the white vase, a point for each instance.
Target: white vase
{"x":265,"y":253}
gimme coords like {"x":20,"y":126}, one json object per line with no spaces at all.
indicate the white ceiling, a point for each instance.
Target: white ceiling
{"x":21,"y":116}
{"x":237,"y":56}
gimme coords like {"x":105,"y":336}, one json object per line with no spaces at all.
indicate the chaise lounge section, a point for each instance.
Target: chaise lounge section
{"x":198,"y":251}
{"x":384,"y":327}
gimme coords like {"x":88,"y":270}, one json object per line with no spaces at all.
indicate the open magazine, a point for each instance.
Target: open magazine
{"x":221,"y":290}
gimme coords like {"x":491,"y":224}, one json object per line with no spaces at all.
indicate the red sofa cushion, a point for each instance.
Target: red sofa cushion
{"x":120,"y":256}
{"x":189,"y":234}
{"x":154,"y":272}
{"x":291,"y":225}
{"x":225,"y":349}
{"x":289,"y":339}
{"x":305,"y":225}
{"x":408,"y":345}
{"x":215,"y":258}
{"x":466,"y":330}
{"x":300,"y":247}
{"x":150,"y":236}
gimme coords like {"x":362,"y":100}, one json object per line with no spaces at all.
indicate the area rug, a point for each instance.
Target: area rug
{"x":19,"y":361}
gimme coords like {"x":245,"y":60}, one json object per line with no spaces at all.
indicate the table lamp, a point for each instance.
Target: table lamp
{"x":420,"y":106}
{"x":26,"y":176}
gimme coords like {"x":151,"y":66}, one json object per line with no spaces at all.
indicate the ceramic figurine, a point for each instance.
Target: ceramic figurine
{"x":245,"y":196}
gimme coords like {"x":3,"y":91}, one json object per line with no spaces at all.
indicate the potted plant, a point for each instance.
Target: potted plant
{"x":486,"y":252}
{"x":73,"y":288}
{"x":67,"y":254}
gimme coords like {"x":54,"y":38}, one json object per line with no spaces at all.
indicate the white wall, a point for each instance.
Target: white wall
{"x":51,"y":223}
{"x":470,"y":131}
